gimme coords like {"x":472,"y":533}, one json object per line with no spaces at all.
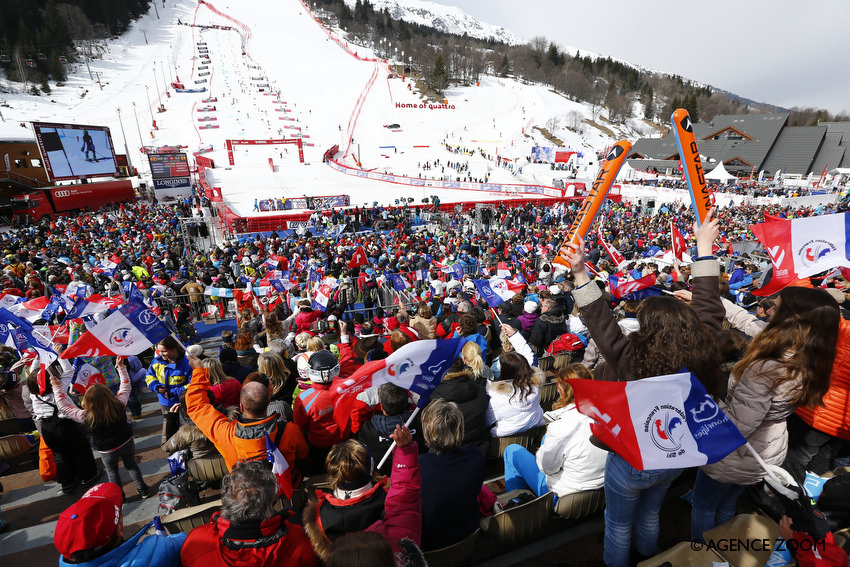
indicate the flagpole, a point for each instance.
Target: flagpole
{"x":393,"y":444}
{"x":763,"y":465}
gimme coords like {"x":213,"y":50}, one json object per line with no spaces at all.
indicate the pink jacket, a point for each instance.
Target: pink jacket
{"x":403,"y":506}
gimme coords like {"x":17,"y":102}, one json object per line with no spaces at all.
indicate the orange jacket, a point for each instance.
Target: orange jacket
{"x":241,"y":438}
{"x":833,"y":417}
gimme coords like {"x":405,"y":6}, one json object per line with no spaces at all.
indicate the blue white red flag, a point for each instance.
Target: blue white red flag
{"x":803,"y":247}
{"x":620,"y":289}
{"x":85,"y":376}
{"x":131,"y":330}
{"x":399,"y":282}
{"x":77,"y":289}
{"x":418,"y":366}
{"x":83,"y":307}
{"x":7,"y":300}
{"x":664,"y":422}
{"x":494,"y":291}
{"x":421,"y":275}
{"x":105,"y":267}
{"x":280,"y":468}
{"x":457,"y":271}
{"x":30,"y":310}
{"x":502,"y":270}
{"x":25,"y":340}
{"x":324,"y":293}
{"x":282,"y":284}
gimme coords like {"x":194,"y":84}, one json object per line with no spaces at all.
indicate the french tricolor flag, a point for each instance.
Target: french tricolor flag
{"x":495,"y":291}
{"x":85,"y":376}
{"x":502,"y":270}
{"x":105,"y":267}
{"x":621,"y":289}
{"x":664,"y":422}
{"x":399,"y":283}
{"x":417,"y":366}
{"x":280,"y":468}
{"x":803,"y":247}
{"x":30,"y":310}
{"x":131,"y":330}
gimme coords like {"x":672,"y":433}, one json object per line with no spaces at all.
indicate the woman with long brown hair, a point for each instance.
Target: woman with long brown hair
{"x":515,"y":397}
{"x":111,"y":433}
{"x":672,"y":336}
{"x":786,"y":366}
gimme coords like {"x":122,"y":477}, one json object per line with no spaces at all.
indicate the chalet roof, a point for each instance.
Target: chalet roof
{"x":795,"y":149}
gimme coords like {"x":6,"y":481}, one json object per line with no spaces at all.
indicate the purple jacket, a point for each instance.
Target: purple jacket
{"x":528,"y":320}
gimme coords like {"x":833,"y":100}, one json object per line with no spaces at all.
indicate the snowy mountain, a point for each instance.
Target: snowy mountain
{"x":447,"y":19}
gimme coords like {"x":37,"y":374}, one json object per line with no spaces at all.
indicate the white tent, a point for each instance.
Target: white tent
{"x":719,"y":173}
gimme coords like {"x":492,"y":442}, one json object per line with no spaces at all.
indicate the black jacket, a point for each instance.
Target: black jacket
{"x":471,"y":398}
{"x":548,"y":327}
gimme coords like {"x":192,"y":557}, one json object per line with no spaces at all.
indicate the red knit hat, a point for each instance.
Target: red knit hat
{"x":91,"y":522}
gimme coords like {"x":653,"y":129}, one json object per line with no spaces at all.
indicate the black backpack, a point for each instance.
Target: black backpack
{"x":176,"y":493}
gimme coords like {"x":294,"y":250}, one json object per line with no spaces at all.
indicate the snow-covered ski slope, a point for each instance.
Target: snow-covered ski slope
{"x":278,"y":73}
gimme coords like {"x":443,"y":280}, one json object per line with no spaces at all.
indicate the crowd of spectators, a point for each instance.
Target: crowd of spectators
{"x":270,"y":380}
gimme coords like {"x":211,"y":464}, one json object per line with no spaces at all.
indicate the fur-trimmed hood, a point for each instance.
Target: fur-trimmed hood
{"x":506,"y":387}
{"x":331,"y":517}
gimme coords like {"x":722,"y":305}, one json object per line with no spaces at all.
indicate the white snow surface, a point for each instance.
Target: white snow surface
{"x":330,"y":89}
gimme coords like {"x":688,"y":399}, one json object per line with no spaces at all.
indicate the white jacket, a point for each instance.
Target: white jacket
{"x":569,"y":460}
{"x":514,"y":415}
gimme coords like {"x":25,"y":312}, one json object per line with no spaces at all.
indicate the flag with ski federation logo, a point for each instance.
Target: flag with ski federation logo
{"x":280,"y":468}
{"x":635,"y":289}
{"x":105,"y":267}
{"x":663,"y":422}
{"x":30,"y":310}
{"x":417,"y":366}
{"x":399,"y":282}
{"x":130,"y":330}
{"x":803,"y":247}
{"x":85,"y":376}
{"x":495,"y":291}
{"x":324,"y":293}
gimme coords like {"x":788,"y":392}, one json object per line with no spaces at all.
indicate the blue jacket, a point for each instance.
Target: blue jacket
{"x":737,"y":275}
{"x":174,"y":375}
{"x":153,"y":551}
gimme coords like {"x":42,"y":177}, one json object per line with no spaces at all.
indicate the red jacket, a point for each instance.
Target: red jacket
{"x":305,"y":319}
{"x":217,"y":543}
{"x":313,"y":407}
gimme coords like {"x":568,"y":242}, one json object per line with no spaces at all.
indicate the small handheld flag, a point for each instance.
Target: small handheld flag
{"x":664,"y":422}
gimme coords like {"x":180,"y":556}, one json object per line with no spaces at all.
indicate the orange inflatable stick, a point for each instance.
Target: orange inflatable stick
{"x":598,"y":191}
{"x":701,"y":196}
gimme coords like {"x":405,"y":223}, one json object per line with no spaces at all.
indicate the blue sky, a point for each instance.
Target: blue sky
{"x":782,"y":52}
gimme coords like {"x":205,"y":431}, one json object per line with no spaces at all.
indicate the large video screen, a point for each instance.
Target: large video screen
{"x":164,"y":166}
{"x":73,"y":151}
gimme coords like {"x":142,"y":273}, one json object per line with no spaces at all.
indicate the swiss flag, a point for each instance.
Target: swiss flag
{"x":359,"y":258}
{"x":679,"y":244}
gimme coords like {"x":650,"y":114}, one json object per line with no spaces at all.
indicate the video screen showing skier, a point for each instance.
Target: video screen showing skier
{"x":76,"y":151}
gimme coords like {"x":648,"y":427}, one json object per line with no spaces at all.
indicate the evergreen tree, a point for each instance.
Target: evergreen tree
{"x":505,"y":66}
{"x":345,"y":15}
{"x":440,"y":74}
